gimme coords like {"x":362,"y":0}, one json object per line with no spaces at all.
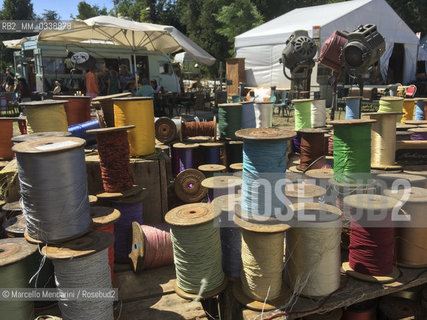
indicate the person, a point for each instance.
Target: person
{"x":113,"y":84}
{"x":57,"y":89}
{"x":157,"y":89}
{"x":22,"y":90}
{"x":145,"y":90}
{"x":10,"y":80}
{"x":127,"y":81}
{"x":103,"y":78}
{"x":92,"y":89}
{"x":159,"y":107}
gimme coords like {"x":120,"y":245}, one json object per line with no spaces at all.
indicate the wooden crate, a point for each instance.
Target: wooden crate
{"x":235,"y":71}
{"x":151,"y":174}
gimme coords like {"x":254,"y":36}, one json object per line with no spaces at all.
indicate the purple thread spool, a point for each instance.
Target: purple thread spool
{"x":130,"y":212}
{"x":212,"y":154}
{"x":297,"y":142}
{"x":182,"y":157}
{"x":418,"y":133}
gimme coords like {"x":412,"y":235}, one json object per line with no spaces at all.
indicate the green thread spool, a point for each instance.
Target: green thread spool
{"x":352,"y":151}
{"x":14,"y":274}
{"x":391,"y":104}
{"x":302,"y":113}
{"x":197,"y":250}
{"x":229,"y":119}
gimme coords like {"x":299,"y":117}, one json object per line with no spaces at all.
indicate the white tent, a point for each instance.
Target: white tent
{"x":262,"y":46}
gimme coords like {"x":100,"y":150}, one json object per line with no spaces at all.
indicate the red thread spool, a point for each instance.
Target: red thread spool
{"x":371,"y":239}
{"x":195,"y":129}
{"x":151,"y":246}
{"x":331,"y":145}
{"x":6,"y":133}
{"x":110,"y":229}
{"x":113,"y":150}
{"x":77,"y":108}
{"x":366,"y":310}
{"x":312,"y":149}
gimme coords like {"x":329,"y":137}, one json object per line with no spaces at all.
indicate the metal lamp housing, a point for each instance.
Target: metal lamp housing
{"x":300,"y":49}
{"x":364,"y":48}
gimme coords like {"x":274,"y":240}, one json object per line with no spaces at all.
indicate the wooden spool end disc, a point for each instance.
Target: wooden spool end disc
{"x":352,"y":122}
{"x":295,"y":169}
{"x":393,"y":168}
{"x":38,"y":135}
{"x":236,"y":166}
{"x":212,"y":168}
{"x":42,"y":103}
{"x":411,"y":178}
{"x":418,"y":130}
{"x":15,"y":225}
{"x":166,"y":130}
{"x":2,"y":203}
{"x":93,"y":199}
{"x":403,"y":126}
{"x":138,"y":247}
{"x":253,"y":304}
{"x":110,"y":129}
{"x":92,"y":242}
{"x":191,"y":215}
{"x":226,"y":204}
{"x":12,"y":207}
{"x":415,"y":122}
{"x":391,"y":98}
{"x":181,"y":145}
{"x":302,"y":100}
{"x":371,"y":202}
{"x":321,"y":174}
{"x":313,"y":130}
{"x":265,"y":134}
{"x":399,"y":308}
{"x":48,"y":317}
{"x":370,"y":184}
{"x":319,"y":212}
{"x":15,"y":249}
{"x":204,"y":295}
{"x":49,"y":144}
{"x":222,"y":182}
{"x":188,"y":186}
{"x":102,"y":216}
{"x":135,"y":190}
{"x":304,"y":191}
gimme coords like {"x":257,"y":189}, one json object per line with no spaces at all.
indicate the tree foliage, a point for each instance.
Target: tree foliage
{"x":87,"y":11}
{"x":50,"y":15}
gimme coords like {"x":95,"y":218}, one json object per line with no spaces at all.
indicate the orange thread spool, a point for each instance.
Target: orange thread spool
{"x":6,"y":133}
{"x":110,"y":229}
{"x":77,"y":108}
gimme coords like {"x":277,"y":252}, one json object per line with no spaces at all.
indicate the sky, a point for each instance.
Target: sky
{"x":65,"y":7}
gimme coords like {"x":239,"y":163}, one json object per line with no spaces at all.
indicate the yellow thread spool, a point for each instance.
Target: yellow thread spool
{"x":408,"y":110}
{"x":137,"y":111}
{"x":391,"y":104}
{"x":46,"y":115}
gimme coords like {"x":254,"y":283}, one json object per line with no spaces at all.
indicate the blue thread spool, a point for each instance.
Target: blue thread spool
{"x":79,"y":131}
{"x":419,"y":110}
{"x":212,"y":152}
{"x":264,"y":167}
{"x":352,"y":108}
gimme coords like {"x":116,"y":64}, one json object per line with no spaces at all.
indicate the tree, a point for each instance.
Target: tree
{"x":50,"y":15}
{"x":236,"y":18}
{"x":413,"y":12}
{"x":87,"y":11}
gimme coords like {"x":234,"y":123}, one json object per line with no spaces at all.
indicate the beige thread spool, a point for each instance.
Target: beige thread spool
{"x":46,"y":115}
{"x":300,"y":192}
{"x":383,"y":140}
{"x":411,"y":237}
{"x":313,"y":259}
{"x":418,"y":171}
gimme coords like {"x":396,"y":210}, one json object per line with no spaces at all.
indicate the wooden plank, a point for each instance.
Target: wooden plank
{"x":149,"y":283}
{"x":9,"y":183}
{"x":166,"y":307}
{"x":235,"y":71}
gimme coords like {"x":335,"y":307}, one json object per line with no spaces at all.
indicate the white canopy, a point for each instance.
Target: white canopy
{"x":123,"y":32}
{"x":262,"y":46}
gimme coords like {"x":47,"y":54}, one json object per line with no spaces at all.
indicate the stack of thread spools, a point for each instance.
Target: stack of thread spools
{"x":58,"y":219}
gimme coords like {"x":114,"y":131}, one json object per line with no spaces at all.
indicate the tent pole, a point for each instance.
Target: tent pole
{"x":134,"y":71}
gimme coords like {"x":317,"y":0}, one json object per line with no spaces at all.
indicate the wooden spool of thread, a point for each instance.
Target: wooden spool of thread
{"x":229,"y":119}
{"x":404,"y":127}
{"x":403,"y":135}
{"x":56,"y":206}
{"x":151,"y":246}
{"x":410,"y":180}
{"x":77,"y":108}
{"x":15,"y":226}
{"x":302,"y":113}
{"x":352,"y":107}
{"x":137,"y":111}
{"x":188,"y":186}
{"x":408,"y":110}
{"x":107,"y":106}
{"x":417,"y":171}
{"x":331,"y":315}
{"x":14,"y":254}
{"x":212,"y":152}
{"x":264,"y":159}
{"x":11,"y":209}
{"x":391,"y":104}
{"x":361,"y":311}
{"x":383,"y":141}
{"x":168,"y":130}
{"x":182,"y":156}
{"x":113,"y":150}
{"x":210,"y":170}
{"x":318,"y":113}
{"x":257,"y":115}
{"x":80,"y":130}
{"x":197,"y":251}
{"x":83,"y":263}
{"x":46,"y":115}
{"x":371,"y":238}
{"x":416,"y":122}
{"x":418,"y":133}
{"x":234,"y":152}
{"x":352,"y":150}
{"x":103,"y":219}
{"x":312,"y":149}
{"x":231,"y":240}
{"x":198,"y":129}
{"x":411,"y":236}
{"x":262,"y":264}
{"x":221,"y":185}
{"x":313,"y":252}
{"x":6,"y":134}
{"x":237,"y":168}
{"x":302,"y":193}
{"x":35,"y":136}
{"x":394,"y":308}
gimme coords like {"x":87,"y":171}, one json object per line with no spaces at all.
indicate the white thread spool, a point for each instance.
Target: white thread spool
{"x":318,"y":113}
{"x":313,"y":259}
{"x":257,"y":115}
